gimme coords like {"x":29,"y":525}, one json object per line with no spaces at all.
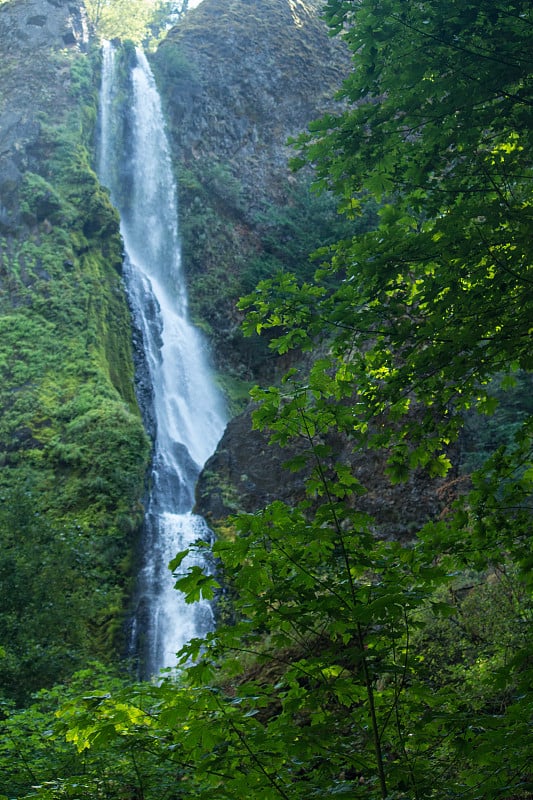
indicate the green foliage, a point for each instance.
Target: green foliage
{"x":307,"y":223}
{"x":140,"y":21}
{"x":123,"y":19}
{"x":417,"y":317}
{"x":37,"y":761}
{"x":46,"y":601}
{"x":39,"y":199}
{"x":355,"y":668}
{"x":437,"y":299}
{"x":512,"y":401}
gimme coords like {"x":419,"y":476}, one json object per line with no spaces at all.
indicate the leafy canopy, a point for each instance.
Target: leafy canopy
{"x":125,"y":19}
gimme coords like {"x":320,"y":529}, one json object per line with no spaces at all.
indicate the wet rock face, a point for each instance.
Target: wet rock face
{"x":31,"y":84}
{"x":247,"y":473}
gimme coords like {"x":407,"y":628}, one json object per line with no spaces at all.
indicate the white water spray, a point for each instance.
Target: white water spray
{"x":188,"y":411}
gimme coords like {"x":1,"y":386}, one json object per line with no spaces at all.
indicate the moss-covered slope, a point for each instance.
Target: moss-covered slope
{"x":72,"y":445}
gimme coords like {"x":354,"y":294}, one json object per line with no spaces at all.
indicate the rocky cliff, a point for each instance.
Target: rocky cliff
{"x":244,"y":76}
{"x":247,"y":472}
{"x":239,"y":77}
{"x":34,"y":86}
{"x":66,"y":346}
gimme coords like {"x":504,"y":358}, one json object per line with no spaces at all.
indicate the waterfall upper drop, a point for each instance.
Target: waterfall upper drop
{"x":188,"y":412}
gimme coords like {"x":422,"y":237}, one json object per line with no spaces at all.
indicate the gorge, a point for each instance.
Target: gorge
{"x":183,"y":230}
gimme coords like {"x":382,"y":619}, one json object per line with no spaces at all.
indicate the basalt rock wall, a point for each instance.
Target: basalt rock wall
{"x":244,"y":76}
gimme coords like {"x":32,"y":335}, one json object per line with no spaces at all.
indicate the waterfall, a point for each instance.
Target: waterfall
{"x":187,"y":410}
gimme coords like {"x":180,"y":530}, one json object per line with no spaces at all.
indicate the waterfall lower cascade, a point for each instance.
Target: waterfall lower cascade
{"x":188,"y":411}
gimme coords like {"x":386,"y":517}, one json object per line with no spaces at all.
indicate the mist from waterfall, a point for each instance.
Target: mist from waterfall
{"x":187,"y":411}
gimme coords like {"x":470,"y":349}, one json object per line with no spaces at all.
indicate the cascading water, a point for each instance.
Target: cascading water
{"x":188,"y":412}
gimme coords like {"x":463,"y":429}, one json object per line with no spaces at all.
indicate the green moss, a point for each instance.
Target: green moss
{"x":39,"y":200}
{"x":173,"y":64}
{"x":236,"y":390}
{"x":70,"y":428}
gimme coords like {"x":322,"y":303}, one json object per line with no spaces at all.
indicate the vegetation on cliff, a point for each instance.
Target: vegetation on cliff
{"x":72,"y":446}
